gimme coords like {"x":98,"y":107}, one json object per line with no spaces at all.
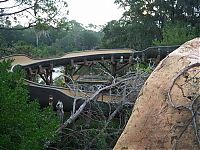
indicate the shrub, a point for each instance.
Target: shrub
{"x":23,"y":124}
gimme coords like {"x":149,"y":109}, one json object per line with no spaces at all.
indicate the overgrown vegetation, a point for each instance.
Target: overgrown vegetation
{"x":24,"y":125}
{"x":86,"y":132}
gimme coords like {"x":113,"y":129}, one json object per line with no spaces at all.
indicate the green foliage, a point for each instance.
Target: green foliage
{"x":23,"y":124}
{"x":176,"y":34}
{"x":59,"y":81}
{"x":114,"y":35}
{"x":145,"y":21}
{"x":144,"y":68}
{"x":47,"y":41}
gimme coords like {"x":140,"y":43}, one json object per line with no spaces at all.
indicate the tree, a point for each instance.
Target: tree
{"x":144,"y":21}
{"x":38,"y":13}
{"x":162,"y":10}
{"x":176,"y":34}
{"x":114,"y":35}
{"x":23,"y":124}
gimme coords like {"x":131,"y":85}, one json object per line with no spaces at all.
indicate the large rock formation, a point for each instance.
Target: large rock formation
{"x":164,"y":117}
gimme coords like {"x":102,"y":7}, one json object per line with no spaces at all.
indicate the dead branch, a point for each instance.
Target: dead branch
{"x":174,"y":80}
{"x":109,"y":119}
{"x":81,"y":108}
{"x":190,"y":108}
{"x":2,"y":1}
{"x":16,"y":12}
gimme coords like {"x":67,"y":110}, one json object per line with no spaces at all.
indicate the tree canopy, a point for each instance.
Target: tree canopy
{"x":145,"y":21}
{"x":39,"y":13}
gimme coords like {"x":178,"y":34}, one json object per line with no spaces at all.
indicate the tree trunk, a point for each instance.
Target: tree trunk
{"x":164,"y":118}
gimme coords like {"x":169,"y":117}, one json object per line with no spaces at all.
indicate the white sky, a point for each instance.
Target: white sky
{"x":97,"y":12}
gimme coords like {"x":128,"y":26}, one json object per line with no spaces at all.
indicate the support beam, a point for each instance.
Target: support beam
{"x":143,"y":57}
{"x":122,"y":67}
{"x":51,"y":74}
{"x":104,"y":67}
{"x":86,"y":62}
{"x":113,"y":69}
{"x":43,"y":78}
{"x":130,"y":60}
{"x":72,"y":63}
{"x":113,"y":60}
{"x":47,"y":75}
{"x":41,"y":70}
{"x":44,"y":74}
{"x":157,"y":59}
{"x":81,"y":66}
{"x":113,"y":66}
{"x":65,"y":74}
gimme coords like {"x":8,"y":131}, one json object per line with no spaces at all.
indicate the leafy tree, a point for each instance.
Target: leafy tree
{"x":50,"y":42}
{"x":176,"y":34}
{"x":114,"y":35}
{"x":23,"y":124}
{"x":161,"y":10}
{"x":126,"y":34}
{"x":143,"y":22}
{"x":39,"y":13}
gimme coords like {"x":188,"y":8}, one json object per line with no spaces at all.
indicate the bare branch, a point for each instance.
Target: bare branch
{"x":16,"y":12}
{"x":190,"y":108}
{"x":11,"y":6}
{"x":21,"y":28}
{"x":81,"y":108}
{"x":175,"y":78}
{"x":2,"y":1}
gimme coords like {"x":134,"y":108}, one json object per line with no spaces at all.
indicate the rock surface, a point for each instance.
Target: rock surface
{"x":155,"y":123}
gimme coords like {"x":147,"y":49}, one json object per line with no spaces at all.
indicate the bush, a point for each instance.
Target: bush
{"x":23,"y":124}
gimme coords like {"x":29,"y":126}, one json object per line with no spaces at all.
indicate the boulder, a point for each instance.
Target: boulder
{"x":166,"y":113}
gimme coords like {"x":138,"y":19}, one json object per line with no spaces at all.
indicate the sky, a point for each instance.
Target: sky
{"x":97,"y":12}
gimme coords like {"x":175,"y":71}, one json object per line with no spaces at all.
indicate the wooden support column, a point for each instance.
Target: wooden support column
{"x":72,"y":63}
{"x":65,"y":74}
{"x":73,"y":67}
{"x":143,"y":57}
{"x":130,"y":61}
{"x":113,"y":66}
{"x":122,"y":67}
{"x":31,"y":75}
{"x":158,"y":58}
{"x":51,"y":74}
{"x":44,"y":73}
{"x":86,"y":62}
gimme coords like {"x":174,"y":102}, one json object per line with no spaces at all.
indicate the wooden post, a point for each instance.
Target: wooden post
{"x":51,"y":74}
{"x":44,"y":73}
{"x":113,"y":66}
{"x":130,"y":61}
{"x":65,"y":75}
